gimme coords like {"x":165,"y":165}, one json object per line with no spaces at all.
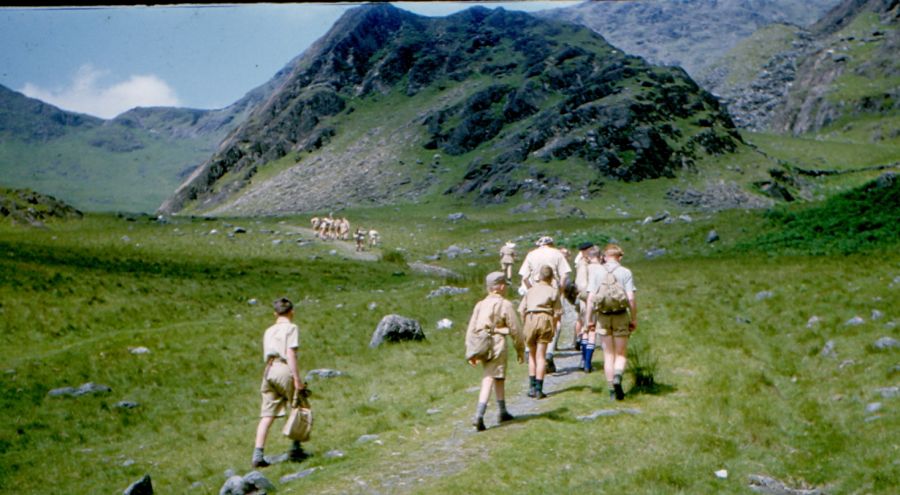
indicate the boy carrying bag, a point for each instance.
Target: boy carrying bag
{"x":300,"y":421}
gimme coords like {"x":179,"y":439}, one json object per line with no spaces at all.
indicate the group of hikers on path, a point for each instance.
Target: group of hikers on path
{"x":602,"y":292}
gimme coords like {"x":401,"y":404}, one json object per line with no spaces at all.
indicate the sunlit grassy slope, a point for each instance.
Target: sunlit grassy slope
{"x":743,"y":386}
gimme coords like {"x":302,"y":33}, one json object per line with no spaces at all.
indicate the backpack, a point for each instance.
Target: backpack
{"x":480,"y":341}
{"x":610,"y":296}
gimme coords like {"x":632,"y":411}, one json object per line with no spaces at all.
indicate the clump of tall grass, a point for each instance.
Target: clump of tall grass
{"x":643,"y":366}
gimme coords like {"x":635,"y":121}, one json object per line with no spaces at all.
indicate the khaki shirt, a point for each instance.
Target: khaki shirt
{"x":496,"y":312}
{"x":541,"y":298}
{"x":507,"y":255}
{"x":280,"y":337}
{"x":545,"y":255}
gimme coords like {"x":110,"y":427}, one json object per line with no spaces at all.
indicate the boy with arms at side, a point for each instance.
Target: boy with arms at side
{"x":280,"y":378}
{"x":540,"y":309}
{"x":498,"y":315}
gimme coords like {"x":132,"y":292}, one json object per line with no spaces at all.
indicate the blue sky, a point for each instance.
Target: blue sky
{"x":105,"y":60}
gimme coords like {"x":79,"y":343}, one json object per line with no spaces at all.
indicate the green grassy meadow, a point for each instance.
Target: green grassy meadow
{"x":742,"y":383}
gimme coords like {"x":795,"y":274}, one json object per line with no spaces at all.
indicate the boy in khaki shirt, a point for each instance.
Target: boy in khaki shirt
{"x":280,"y":378}
{"x":540,"y":309}
{"x":495,"y":312}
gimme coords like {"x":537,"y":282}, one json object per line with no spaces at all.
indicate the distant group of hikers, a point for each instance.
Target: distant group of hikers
{"x":602,"y":292}
{"x":603,"y":295}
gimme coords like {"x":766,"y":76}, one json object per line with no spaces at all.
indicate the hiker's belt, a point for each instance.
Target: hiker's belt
{"x":545,"y":311}
{"x":275,"y":359}
{"x":614,"y":312}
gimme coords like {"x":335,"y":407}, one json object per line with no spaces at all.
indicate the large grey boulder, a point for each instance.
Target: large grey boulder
{"x":396,"y":328}
{"x":142,"y":486}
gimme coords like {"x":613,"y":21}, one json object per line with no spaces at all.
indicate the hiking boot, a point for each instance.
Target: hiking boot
{"x":258,"y":461}
{"x":297,"y":455}
{"x":479,"y":424}
{"x":551,"y":366}
{"x":506,"y":416}
{"x":540,"y":394}
{"x":577,"y":345}
{"x":531,"y":392}
{"x":617,"y":387}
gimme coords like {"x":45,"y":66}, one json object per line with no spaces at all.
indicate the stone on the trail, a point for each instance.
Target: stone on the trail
{"x":722,"y":474}
{"x":253,"y":302}
{"x":659,"y":217}
{"x":606,"y":413}
{"x":140,"y":350}
{"x":296,"y":476}
{"x":447,"y":290}
{"x":334,"y":454}
{"x":367,"y":438}
{"x":455,"y":217}
{"x":877,"y":315}
{"x":396,"y":328}
{"x":142,"y":486}
{"x":762,"y":295}
{"x":323,"y":373}
{"x":828,"y":350}
{"x":856,"y":320}
{"x":888,"y":392}
{"x":873,"y":407}
{"x":655,"y":253}
{"x":444,"y":324}
{"x":86,"y":389}
{"x":712,"y":237}
{"x":771,"y":486}
{"x":812,"y":321}
{"x":885,"y":343}
{"x":126,"y":404}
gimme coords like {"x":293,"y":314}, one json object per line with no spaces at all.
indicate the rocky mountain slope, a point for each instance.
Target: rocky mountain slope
{"x":482,"y":104}
{"x":688,"y":33}
{"x":792,"y":80}
{"x":131,"y":162}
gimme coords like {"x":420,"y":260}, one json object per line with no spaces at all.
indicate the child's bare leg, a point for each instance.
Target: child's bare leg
{"x":262,"y":431}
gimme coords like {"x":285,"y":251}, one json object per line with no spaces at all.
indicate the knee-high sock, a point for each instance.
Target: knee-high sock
{"x":588,"y":355}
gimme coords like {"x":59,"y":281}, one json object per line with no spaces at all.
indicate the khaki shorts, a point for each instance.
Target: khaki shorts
{"x":539,"y":328}
{"x":496,"y":368}
{"x":615,"y":325}
{"x":277,"y":389}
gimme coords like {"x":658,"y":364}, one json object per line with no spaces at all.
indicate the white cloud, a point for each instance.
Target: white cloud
{"x":87,"y":93}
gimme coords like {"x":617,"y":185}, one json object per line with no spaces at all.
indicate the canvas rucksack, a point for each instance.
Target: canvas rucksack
{"x":610,"y":296}
{"x":480,"y":341}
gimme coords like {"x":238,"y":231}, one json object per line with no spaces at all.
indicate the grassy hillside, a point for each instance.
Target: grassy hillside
{"x":743,"y":386}
{"x":95,"y":178}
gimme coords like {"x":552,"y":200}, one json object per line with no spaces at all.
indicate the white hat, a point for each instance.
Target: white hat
{"x":510,"y":244}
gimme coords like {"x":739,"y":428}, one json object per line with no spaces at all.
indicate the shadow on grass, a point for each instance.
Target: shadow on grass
{"x":652,"y":389}
{"x":568,"y":389}
{"x":558,"y":414}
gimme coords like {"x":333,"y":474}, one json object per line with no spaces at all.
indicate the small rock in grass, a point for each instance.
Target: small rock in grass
{"x":742,"y":319}
{"x":447,"y":290}
{"x":769,"y":485}
{"x":873,"y":407}
{"x":372,"y":305}
{"x":455,"y":217}
{"x":888,"y":392}
{"x":140,"y":350}
{"x":126,"y":404}
{"x":86,"y":389}
{"x":885,"y":343}
{"x":873,"y":418}
{"x":855,"y":321}
{"x":276,"y":242}
{"x":607,"y":412}
{"x":128,"y":462}
{"x":828,"y":350}
{"x":766,"y":294}
{"x":252,"y":302}
{"x":297,"y":475}
{"x":334,"y":454}
{"x":433,"y":411}
{"x":367,"y":438}
{"x":712,"y":237}
{"x":877,"y":315}
{"x":143,"y":486}
{"x":654,"y":253}
{"x":722,"y":474}
{"x":444,"y":324}
{"x":845,"y":363}
{"x":813,"y":321}
{"x":323,"y":373}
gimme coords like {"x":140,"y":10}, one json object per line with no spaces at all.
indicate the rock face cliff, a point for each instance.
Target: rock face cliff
{"x":513,"y":103}
{"x":802,"y":80}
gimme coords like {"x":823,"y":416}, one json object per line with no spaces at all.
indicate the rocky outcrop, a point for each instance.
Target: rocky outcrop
{"x":28,"y":207}
{"x":396,"y":328}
